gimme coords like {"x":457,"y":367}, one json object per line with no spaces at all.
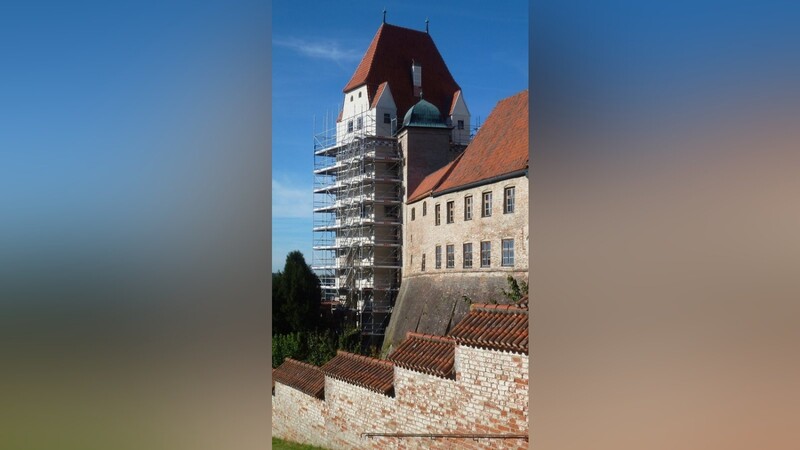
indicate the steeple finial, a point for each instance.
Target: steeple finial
{"x":384,"y":14}
{"x":426,"y":25}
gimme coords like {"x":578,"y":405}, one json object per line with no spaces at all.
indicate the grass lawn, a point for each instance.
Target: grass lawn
{"x":280,"y":444}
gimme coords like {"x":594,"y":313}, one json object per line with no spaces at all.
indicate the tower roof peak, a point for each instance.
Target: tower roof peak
{"x":389,"y":58}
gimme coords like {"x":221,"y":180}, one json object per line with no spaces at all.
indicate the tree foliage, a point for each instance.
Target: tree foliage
{"x":517,"y":290}
{"x":296,"y":296}
{"x":313,"y":347}
{"x":296,"y":323}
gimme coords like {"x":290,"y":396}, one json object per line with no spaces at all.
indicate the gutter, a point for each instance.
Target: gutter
{"x":494,"y":179}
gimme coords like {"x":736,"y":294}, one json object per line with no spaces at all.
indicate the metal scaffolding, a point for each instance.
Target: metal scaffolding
{"x":357,"y":220}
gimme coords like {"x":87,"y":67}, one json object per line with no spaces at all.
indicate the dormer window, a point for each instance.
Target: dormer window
{"x":460,"y":124}
{"x":387,"y":118}
{"x":416,"y":77}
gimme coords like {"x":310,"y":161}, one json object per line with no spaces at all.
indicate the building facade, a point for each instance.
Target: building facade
{"x":465,"y":227}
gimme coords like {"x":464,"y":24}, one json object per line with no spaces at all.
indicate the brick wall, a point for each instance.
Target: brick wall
{"x":489,"y":395}
{"x":298,"y":417}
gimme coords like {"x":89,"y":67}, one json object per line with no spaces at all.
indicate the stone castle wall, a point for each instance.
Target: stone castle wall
{"x":488,"y":396}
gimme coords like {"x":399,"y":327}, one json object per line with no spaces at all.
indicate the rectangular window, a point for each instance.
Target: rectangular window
{"x":387,"y":118}
{"x":508,"y":252}
{"x":423,"y":262}
{"x":437,"y":214}
{"x":451,"y":212}
{"x":486,"y":254}
{"x":508,"y":204}
{"x":460,"y":124}
{"x":438,"y":256}
{"x":349,"y":126}
{"x":486,"y":211}
{"x":413,"y":211}
{"x":451,"y":256}
{"x":363,"y":209}
{"x":468,"y":207}
{"x":360,"y":123}
{"x":468,"y":255}
{"x":424,"y":209}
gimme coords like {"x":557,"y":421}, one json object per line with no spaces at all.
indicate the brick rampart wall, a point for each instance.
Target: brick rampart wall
{"x":488,"y":396}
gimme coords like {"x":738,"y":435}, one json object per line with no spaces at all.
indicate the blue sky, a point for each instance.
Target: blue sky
{"x":122,"y":124}
{"x":315,"y":51}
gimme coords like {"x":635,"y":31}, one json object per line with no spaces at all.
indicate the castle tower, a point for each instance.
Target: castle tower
{"x":403,"y":114}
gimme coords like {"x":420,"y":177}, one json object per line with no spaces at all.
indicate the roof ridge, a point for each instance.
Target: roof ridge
{"x":510,"y":308}
{"x":301,"y":363}
{"x":364,"y":358}
{"x":430,"y":337}
{"x":386,"y":24}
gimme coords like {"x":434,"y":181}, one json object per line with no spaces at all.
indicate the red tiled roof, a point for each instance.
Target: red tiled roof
{"x":389,"y":58}
{"x":496,"y":327}
{"x":302,"y":376}
{"x":453,"y":103}
{"x":432,"y":181}
{"x":499,"y":148}
{"x":378,"y":93}
{"x":370,"y":373}
{"x":434,"y":355}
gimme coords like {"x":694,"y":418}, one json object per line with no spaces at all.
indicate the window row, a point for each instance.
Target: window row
{"x":485,"y":255}
{"x":486,"y":207}
{"x":359,"y":123}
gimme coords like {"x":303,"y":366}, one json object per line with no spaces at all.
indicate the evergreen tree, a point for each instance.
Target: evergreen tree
{"x":298,"y":296}
{"x":278,"y":324}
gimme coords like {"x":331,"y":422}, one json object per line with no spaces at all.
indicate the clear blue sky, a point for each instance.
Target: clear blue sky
{"x":122,"y":124}
{"x":315,"y":51}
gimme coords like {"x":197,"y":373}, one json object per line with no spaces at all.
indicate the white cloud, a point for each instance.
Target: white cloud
{"x":321,"y":50}
{"x":291,"y":201}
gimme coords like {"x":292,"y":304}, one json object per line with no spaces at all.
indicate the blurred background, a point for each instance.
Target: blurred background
{"x":134,"y":224}
{"x":665,"y":224}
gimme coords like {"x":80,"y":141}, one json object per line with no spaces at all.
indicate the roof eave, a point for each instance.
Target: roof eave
{"x":479,"y":183}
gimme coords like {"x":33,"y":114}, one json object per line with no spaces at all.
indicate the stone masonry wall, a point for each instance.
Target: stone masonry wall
{"x":489,"y":395}
{"x":432,"y":301}
{"x":421,"y":235}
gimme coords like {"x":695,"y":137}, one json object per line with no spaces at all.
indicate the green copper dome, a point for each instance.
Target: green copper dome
{"x":424,"y":114}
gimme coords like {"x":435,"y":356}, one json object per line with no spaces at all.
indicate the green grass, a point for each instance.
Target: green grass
{"x":280,"y":444}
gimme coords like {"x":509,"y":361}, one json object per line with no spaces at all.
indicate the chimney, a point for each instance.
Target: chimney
{"x":416,"y":75}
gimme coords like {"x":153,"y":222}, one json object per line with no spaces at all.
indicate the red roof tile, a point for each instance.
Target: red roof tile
{"x":434,"y":355}
{"x":496,"y":327}
{"x":499,"y":148}
{"x":523,"y":302}
{"x":302,"y":376}
{"x":389,"y":58}
{"x":370,"y":373}
{"x":378,"y":93}
{"x":453,"y":103}
{"x":432,"y":181}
